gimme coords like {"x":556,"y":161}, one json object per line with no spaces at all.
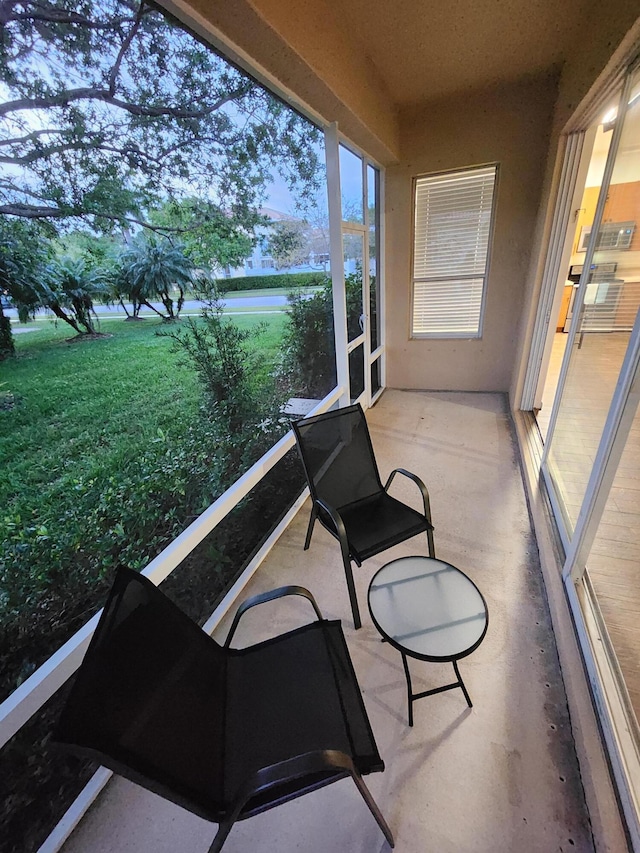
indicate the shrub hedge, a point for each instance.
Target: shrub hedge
{"x":269,"y":282}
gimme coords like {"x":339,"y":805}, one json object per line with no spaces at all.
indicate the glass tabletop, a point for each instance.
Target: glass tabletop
{"x":428,"y":608}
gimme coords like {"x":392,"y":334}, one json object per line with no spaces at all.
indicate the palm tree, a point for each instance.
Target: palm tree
{"x":22,"y":258}
{"x":153,"y":268}
{"x":70,"y":289}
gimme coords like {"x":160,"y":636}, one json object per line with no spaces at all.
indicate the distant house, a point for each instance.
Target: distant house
{"x":315,"y":253}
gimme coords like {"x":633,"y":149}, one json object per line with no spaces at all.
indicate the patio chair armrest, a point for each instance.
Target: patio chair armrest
{"x":335,"y":517}
{"x":307,"y":764}
{"x":327,"y":765}
{"x":266,"y":778}
{"x":340,"y":529}
{"x":271,"y":594}
{"x":423,"y":490}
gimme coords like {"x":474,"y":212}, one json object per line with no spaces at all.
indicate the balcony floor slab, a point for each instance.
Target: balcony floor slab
{"x":502,"y":776}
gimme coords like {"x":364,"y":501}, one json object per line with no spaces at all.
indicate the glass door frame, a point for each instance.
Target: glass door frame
{"x":566,"y":535}
{"x":338,"y":229}
{"x":619,"y":728}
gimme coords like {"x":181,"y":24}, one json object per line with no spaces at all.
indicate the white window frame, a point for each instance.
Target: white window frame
{"x":337,"y":230}
{"x":453,"y":280}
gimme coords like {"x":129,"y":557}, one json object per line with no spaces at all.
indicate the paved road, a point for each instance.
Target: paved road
{"x":231,"y":303}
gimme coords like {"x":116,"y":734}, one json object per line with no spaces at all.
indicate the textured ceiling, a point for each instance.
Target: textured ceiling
{"x":430,"y":49}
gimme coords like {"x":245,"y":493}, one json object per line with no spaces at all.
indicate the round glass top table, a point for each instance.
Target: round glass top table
{"x":429,"y":610}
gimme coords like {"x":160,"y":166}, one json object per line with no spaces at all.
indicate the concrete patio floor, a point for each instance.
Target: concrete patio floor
{"x":502,"y":776}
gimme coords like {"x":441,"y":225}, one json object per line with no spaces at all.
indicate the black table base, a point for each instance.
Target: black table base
{"x":411,"y":696}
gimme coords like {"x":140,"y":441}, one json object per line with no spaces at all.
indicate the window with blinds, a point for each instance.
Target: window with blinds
{"x":452,"y":229}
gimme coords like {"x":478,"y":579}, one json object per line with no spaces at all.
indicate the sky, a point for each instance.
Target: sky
{"x":281,"y":199}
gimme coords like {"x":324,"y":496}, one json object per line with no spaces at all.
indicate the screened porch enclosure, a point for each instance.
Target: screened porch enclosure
{"x":500,"y":776}
{"x":531,"y":766}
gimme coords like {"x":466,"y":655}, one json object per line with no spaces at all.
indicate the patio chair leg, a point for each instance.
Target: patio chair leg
{"x":373,"y":808}
{"x":224,"y":828}
{"x":432,"y":547}
{"x":352,"y":591}
{"x":312,"y":522}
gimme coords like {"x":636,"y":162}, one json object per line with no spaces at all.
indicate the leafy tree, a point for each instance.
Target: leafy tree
{"x":308,"y":356}
{"x":110,"y":105}
{"x":66,"y":285}
{"x":23,"y":258}
{"x":123,"y":291}
{"x":97,"y":250}
{"x":7,"y":345}
{"x":211,"y":238}
{"x":287,"y":243}
{"x":308,"y":363}
{"x":153,"y":267}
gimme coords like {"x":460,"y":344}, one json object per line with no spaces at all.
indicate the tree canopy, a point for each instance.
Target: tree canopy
{"x":210,"y":238}
{"x":288,"y":243}
{"x":108,"y":106}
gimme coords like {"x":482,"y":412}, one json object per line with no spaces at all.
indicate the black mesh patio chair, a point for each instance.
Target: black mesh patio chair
{"x":347,"y":495}
{"x":226,"y":733}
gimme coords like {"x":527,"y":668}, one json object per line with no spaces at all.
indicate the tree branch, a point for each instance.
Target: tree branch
{"x":63,"y":99}
{"x":52,"y":15}
{"x":32,"y":211}
{"x":31,"y":137}
{"x":35,"y":211}
{"x":124,"y":47}
{"x":83,"y":145}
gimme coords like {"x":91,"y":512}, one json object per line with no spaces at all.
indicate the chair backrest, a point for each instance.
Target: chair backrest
{"x":149,"y":698}
{"x":337,"y":455}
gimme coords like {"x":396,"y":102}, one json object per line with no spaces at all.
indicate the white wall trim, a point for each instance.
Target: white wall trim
{"x":76,"y":811}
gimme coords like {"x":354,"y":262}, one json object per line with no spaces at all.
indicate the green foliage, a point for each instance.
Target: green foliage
{"x":107,"y":467}
{"x":67,"y":285}
{"x":287,"y":244}
{"x":308,"y":362}
{"x":70,"y":289}
{"x":110,"y":106}
{"x":98,"y":251}
{"x":269,"y":282}
{"x":308,"y":354}
{"x":24,"y":255}
{"x":240,"y":400}
{"x":122,"y":518}
{"x":7,"y":346}
{"x":211,"y":238}
{"x":152,"y":267}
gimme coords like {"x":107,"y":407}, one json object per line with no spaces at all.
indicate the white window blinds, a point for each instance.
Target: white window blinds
{"x":452,"y":226}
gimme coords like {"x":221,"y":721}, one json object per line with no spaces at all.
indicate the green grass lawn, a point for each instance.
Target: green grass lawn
{"x":95,"y":404}
{"x":103,"y":460}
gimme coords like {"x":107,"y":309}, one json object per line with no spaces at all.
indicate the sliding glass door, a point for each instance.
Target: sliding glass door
{"x":604,"y":307}
{"x":592,"y":455}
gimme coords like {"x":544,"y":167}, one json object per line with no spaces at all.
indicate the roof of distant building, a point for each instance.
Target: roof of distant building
{"x":276,"y":215}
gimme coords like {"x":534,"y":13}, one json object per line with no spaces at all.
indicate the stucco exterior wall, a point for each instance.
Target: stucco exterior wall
{"x":508,"y":125}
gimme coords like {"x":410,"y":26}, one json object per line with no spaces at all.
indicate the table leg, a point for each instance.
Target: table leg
{"x":464,"y":689}
{"x":411,"y":696}
{"x":409,"y":688}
